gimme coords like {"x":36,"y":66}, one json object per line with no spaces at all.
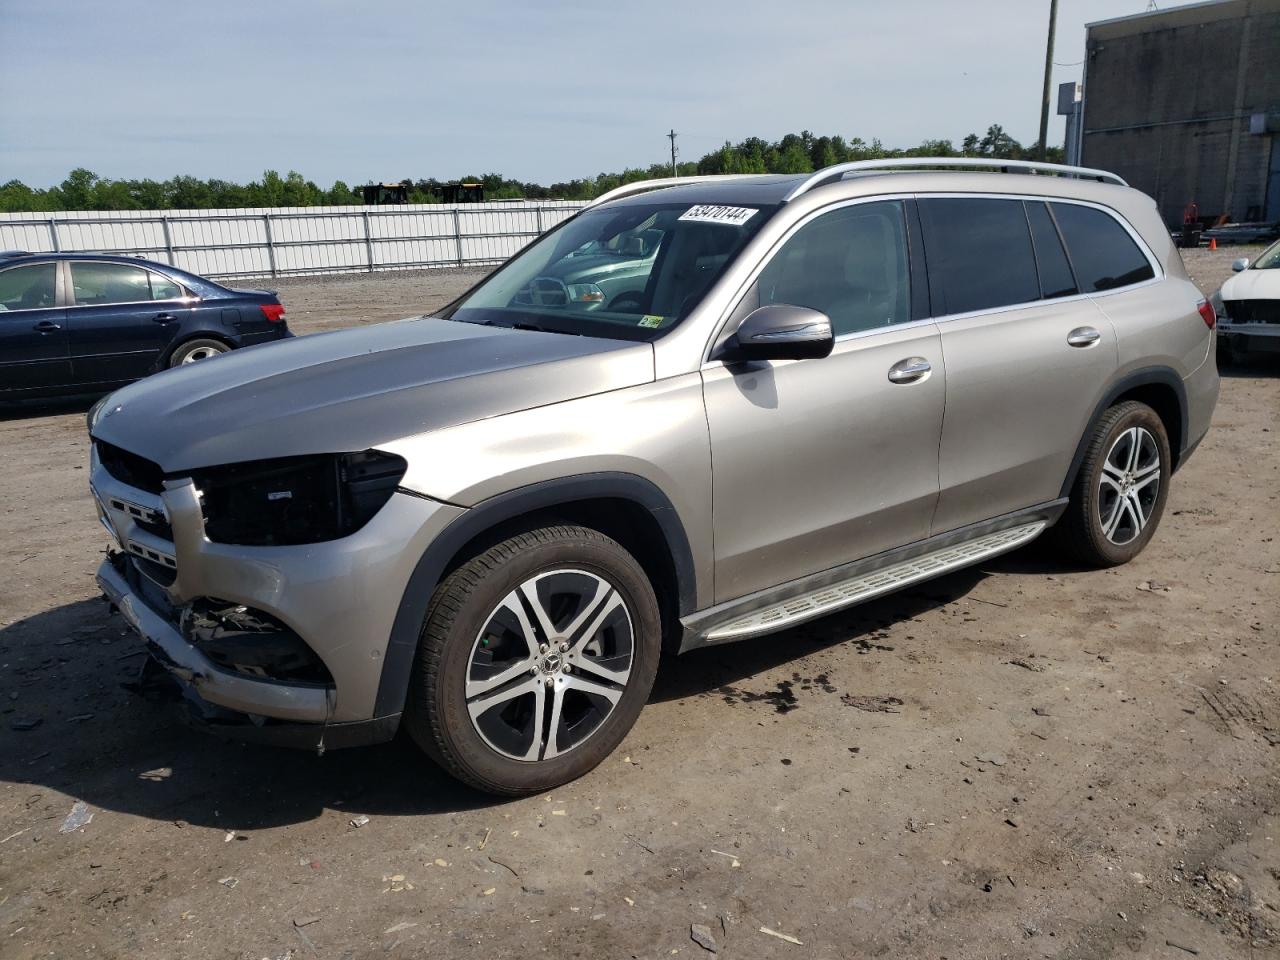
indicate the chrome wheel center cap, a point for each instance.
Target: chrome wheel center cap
{"x":552,"y":663}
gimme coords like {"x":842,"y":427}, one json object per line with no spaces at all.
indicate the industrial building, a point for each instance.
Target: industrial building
{"x":1184,"y":103}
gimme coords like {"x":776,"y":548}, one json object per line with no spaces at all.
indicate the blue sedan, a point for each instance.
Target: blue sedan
{"x":88,"y":322}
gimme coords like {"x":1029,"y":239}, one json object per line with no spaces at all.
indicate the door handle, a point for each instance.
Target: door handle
{"x":164,"y":318}
{"x":47,"y":326}
{"x":1083,"y":337}
{"x":910,"y":370}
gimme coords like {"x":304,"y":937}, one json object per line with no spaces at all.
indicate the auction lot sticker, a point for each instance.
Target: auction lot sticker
{"x":714,"y":213}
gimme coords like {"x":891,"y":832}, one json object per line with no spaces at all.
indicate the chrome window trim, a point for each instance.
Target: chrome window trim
{"x":189,"y":299}
{"x":1142,"y":245}
{"x":57,"y":280}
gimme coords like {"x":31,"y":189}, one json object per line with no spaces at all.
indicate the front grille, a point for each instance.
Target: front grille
{"x":130,"y":468}
{"x":1253,"y":311}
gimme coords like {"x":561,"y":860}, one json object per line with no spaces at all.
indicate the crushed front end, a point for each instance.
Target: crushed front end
{"x":267,"y":590}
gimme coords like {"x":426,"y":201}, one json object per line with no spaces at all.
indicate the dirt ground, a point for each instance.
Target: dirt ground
{"x":1020,"y":760}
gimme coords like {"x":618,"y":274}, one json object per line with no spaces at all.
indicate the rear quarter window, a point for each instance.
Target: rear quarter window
{"x":979,"y":254}
{"x":1103,"y":253}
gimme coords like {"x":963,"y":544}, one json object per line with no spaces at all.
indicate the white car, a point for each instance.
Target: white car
{"x":1248,"y":306}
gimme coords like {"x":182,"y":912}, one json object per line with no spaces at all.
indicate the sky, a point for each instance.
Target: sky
{"x":541,"y":90}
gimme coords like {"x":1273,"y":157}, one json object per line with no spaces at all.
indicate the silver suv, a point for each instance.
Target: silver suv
{"x":700,"y":410}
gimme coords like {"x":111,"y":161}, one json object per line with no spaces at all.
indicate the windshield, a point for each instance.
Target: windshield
{"x":629,"y":273}
{"x":1270,"y":259}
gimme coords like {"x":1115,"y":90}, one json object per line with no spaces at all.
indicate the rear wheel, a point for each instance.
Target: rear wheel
{"x":535,"y":659}
{"x":1120,"y":491}
{"x":193,"y":350}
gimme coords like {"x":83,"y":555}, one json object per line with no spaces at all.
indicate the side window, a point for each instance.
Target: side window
{"x":850,"y":263}
{"x":99,"y":283}
{"x":1103,"y":253}
{"x":979,"y":254}
{"x":28,"y":288}
{"x":1055,"y":272}
{"x":162,"y":288}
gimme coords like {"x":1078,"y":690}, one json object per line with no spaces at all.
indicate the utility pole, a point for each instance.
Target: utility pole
{"x":672,"y":137}
{"x":1048,"y":76}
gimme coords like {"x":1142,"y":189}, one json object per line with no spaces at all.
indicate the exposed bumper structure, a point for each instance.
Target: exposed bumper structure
{"x":340,"y":598}
{"x":285,"y":701}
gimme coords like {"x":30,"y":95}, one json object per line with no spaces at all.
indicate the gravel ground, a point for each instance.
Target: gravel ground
{"x":1019,"y":760}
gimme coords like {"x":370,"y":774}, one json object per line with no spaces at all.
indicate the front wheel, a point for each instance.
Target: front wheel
{"x":535,"y":659}
{"x":1120,"y":491}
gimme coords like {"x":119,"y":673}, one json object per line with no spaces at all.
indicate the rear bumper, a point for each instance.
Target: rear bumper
{"x":1201,"y":391}
{"x":1226,"y":328}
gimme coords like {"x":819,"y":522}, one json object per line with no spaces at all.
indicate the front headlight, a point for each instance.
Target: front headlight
{"x":295,"y":500}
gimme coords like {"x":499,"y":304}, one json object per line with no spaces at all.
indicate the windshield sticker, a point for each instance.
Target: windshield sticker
{"x":651,"y":320}
{"x":713,"y":213}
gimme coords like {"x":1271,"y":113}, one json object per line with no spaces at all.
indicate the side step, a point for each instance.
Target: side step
{"x":856,"y":589}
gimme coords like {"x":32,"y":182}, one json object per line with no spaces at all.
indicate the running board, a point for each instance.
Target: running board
{"x":865,"y":586}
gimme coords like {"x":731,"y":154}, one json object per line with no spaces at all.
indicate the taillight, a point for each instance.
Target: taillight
{"x":1208,"y":314}
{"x":274,"y":312}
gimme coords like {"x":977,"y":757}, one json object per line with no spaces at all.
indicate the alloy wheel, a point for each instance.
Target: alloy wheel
{"x":200,"y":353}
{"x":1129,"y":485}
{"x":550,"y":664}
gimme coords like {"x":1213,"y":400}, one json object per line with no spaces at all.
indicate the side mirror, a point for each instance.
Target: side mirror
{"x":1241,"y":264}
{"x":780,"y":331}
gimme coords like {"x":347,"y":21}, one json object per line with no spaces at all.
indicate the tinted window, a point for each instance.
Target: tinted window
{"x":27,"y":288}
{"x":979,"y":254}
{"x":1055,"y":273}
{"x":851,"y":264}
{"x":162,"y":288}
{"x":1103,"y":253}
{"x":98,"y":283}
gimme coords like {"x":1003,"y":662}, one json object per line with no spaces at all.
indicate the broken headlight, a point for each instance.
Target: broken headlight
{"x":293,"y":500}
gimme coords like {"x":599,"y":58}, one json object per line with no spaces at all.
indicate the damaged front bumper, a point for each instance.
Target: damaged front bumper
{"x":305,"y":703}
{"x":325,"y":611}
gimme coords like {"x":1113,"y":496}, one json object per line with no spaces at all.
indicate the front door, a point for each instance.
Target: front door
{"x":33,"y":331}
{"x":819,"y":462}
{"x":121,"y":317}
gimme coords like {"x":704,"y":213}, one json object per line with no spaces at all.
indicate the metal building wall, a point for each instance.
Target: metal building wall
{"x":1168,"y":102}
{"x":286,"y":241}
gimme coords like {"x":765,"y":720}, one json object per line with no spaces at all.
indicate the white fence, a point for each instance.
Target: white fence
{"x":288,"y":241}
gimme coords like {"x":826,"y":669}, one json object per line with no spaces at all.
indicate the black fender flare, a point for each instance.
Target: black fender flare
{"x":1162,"y":376}
{"x":402,"y":645}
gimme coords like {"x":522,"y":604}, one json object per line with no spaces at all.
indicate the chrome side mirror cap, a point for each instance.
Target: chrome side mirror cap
{"x":780,"y":331}
{"x":1241,"y":264}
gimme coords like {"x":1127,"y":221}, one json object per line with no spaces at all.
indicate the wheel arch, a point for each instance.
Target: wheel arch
{"x":1159,"y":388}
{"x":625,"y":507}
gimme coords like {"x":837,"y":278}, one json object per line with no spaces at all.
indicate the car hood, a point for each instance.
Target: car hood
{"x":355,"y":389}
{"x":1252,"y":285}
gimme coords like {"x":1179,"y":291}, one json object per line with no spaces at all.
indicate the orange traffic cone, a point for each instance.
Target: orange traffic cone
{"x":1213,"y":243}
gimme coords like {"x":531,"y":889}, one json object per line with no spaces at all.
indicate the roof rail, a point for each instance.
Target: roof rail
{"x":640,"y":186}
{"x":836,"y":172}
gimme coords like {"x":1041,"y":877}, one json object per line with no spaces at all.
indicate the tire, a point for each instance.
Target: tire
{"x":1105,"y":526}
{"x":195,"y":350}
{"x":488,"y":680}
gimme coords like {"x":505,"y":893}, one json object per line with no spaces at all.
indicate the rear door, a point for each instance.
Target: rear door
{"x":121,"y":318}
{"x":33,"y":332}
{"x":1027,"y":354}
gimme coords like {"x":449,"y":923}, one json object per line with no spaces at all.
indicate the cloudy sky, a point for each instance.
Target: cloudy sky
{"x":535,"y":89}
